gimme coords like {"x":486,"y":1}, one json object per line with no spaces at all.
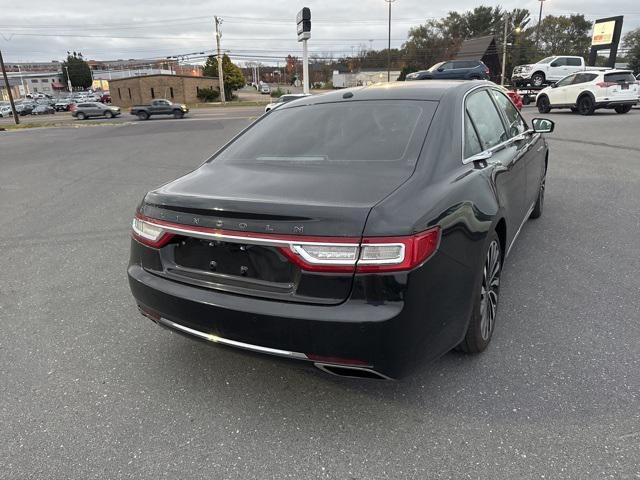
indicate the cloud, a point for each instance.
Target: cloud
{"x":152,"y":29}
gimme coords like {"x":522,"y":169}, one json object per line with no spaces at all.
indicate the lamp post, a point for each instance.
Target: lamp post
{"x":68,"y":79}
{"x":389,"y":43}
{"x":538,"y":27}
{"x":516,"y":30}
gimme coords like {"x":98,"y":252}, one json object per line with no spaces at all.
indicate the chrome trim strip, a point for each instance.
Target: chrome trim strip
{"x":232,"y":343}
{"x":242,"y":239}
{"x":526,"y":217}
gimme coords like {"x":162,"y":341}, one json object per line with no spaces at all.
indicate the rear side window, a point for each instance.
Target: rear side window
{"x":465,"y":64}
{"x":620,"y":77}
{"x":515,"y":122}
{"x":369,"y":132}
{"x":574,"y":62}
{"x":584,"y":78}
{"x":486,"y":119}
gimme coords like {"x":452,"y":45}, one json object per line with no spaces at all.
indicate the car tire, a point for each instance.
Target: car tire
{"x":485,"y":306}
{"x":586,"y":105}
{"x":544,"y":106}
{"x":143,"y":115}
{"x":81,"y":116}
{"x":623,"y":109}
{"x":178,"y":114}
{"x":537,"y":79}
{"x":539,"y":206}
{"x":108,"y":114}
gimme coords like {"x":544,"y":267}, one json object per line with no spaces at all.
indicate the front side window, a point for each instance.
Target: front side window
{"x":515,"y":122}
{"x":447,"y":66}
{"x":355,"y":132}
{"x":486,"y":119}
{"x":559,"y":62}
{"x":471,"y":142}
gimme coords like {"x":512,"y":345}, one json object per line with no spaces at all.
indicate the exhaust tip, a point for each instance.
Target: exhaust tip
{"x":351,"y":372}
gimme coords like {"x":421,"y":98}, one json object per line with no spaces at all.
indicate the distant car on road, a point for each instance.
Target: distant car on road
{"x":584,"y":92}
{"x":24,"y":108}
{"x":43,"y":109}
{"x":159,"y":107}
{"x":95,"y":109}
{"x":453,"y":70}
{"x":285,"y":99}
{"x":265,"y":89}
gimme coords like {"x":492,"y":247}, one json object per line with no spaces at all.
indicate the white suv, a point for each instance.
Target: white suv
{"x":584,"y":92}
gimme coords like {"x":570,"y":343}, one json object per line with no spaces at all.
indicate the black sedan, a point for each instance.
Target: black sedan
{"x":362,"y":230}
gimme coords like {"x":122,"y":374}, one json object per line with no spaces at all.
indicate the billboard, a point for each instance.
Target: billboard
{"x":603,"y":33}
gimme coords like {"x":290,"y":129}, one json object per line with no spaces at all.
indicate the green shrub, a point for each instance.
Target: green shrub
{"x":208,"y":94}
{"x":277,"y":93}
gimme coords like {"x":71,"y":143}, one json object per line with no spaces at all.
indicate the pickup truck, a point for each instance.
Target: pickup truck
{"x":548,"y":70}
{"x":159,"y":107}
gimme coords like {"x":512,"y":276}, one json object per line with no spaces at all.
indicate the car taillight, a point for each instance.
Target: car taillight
{"x":313,"y":254}
{"x":149,"y":234}
{"x":605,"y":84}
{"x":371,"y":255}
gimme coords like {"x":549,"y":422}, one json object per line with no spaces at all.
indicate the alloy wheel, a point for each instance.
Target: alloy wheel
{"x":490,"y":290}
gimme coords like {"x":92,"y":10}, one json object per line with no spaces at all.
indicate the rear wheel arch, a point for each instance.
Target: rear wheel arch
{"x":586,"y":93}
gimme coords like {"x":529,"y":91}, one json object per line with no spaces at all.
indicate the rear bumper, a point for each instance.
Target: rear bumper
{"x":615,"y":103}
{"x":388,"y":323}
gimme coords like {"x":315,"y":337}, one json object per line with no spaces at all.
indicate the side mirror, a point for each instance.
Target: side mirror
{"x":440,"y":69}
{"x":554,"y":85}
{"x":542,"y":125}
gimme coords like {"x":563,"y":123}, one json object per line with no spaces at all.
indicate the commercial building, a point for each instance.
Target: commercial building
{"x":41,"y":82}
{"x":141,"y":90}
{"x":362,"y":78}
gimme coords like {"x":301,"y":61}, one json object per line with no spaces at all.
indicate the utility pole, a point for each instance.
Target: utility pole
{"x":507,"y":20}
{"x":389,"y":43}
{"x":6,"y":83}
{"x":220,"y":74}
{"x":538,"y":26}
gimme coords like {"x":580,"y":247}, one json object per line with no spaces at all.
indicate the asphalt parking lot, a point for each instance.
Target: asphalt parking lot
{"x":91,"y":389}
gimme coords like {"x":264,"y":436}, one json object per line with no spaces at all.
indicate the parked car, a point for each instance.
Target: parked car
{"x":159,"y":107}
{"x":359,"y":257}
{"x":105,"y":97}
{"x":453,"y":70}
{"x":285,"y":99}
{"x":5,"y":111}
{"x":94,"y":109}
{"x":548,"y":70}
{"x":515,"y":97}
{"x":43,"y":109}
{"x":62,"y":105}
{"x":265,"y":89}
{"x":24,"y":108}
{"x":584,"y":92}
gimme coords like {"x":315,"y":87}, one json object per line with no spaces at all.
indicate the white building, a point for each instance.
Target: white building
{"x":38,"y":82}
{"x":361,"y":78}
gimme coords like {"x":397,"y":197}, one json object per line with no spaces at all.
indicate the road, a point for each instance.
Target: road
{"x":92,"y":390}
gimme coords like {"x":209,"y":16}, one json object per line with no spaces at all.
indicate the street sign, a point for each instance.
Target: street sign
{"x":303,"y":21}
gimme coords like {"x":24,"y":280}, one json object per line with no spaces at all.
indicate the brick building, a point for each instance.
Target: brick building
{"x":141,"y":90}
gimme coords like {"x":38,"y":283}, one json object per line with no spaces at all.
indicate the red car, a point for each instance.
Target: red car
{"x":515,"y":98}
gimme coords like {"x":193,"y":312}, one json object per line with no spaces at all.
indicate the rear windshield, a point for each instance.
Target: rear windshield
{"x":354,"y":131}
{"x":619,"y":77}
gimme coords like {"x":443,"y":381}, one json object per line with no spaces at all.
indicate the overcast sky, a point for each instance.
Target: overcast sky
{"x":43,"y":30}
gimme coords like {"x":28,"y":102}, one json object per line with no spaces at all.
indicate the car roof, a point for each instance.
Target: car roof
{"x":432,"y":90}
{"x":613,"y":70}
